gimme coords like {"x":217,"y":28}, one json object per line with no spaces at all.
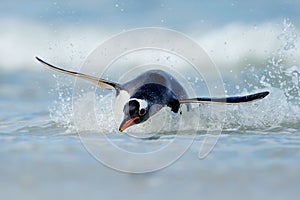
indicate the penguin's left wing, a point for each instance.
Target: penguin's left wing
{"x":100,"y":82}
{"x":228,"y":100}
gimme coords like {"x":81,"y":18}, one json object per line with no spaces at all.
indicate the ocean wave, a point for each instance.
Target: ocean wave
{"x":229,"y":46}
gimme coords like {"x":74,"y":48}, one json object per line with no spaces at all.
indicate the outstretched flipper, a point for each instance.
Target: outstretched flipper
{"x":100,"y":82}
{"x":229,"y":100}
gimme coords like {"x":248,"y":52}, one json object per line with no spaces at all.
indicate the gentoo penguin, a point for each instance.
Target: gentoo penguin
{"x":150,"y":92}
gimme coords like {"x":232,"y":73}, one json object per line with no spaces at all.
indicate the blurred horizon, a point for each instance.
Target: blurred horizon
{"x":179,"y":15}
{"x":232,"y":32}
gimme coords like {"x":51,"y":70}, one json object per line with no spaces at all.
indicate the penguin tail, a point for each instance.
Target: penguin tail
{"x":227,"y":100}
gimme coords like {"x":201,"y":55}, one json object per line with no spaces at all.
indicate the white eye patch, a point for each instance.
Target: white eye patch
{"x":143,"y":104}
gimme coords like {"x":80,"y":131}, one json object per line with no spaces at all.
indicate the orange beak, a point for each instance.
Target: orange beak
{"x":126,"y":124}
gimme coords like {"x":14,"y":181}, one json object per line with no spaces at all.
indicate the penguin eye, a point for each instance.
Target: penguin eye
{"x":142,"y":112}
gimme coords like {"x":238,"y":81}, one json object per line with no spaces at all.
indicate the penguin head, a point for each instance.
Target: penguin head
{"x":146,"y":102}
{"x":135,"y":111}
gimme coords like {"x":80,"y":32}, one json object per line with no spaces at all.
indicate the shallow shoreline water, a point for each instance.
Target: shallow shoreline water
{"x":247,"y":166}
{"x":44,"y":159}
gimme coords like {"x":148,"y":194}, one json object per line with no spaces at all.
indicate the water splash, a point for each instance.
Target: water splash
{"x":280,"y":75}
{"x":278,"y":72}
{"x":61,"y":111}
{"x":289,"y":36}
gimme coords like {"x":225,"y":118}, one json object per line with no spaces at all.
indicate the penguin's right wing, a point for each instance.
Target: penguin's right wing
{"x":100,"y":82}
{"x":228,"y":100}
